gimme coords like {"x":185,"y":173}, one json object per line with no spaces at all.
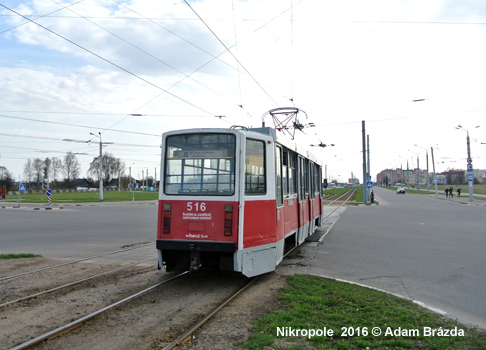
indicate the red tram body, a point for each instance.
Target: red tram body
{"x":236,"y":198}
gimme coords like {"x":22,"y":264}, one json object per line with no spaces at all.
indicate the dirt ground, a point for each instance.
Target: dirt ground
{"x":150,"y":322}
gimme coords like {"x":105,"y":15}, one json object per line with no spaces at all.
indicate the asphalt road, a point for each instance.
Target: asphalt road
{"x":428,"y":249}
{"x":76,"y":231}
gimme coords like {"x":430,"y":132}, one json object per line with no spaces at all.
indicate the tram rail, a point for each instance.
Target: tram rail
{"x":35,"y":295}
{"x":72,"y":325}
{"x":73,"y":262}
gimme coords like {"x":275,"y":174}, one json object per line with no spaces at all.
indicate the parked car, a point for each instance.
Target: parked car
{"x":400,"y":190}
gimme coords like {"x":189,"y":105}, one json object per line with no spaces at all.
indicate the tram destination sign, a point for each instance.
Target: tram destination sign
{"x":201,"y":154}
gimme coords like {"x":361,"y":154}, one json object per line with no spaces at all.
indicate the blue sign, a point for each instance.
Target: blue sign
{"x":470,"y":178}
{"x":22,"y":187}
{"x":49,"y":193}
{"x":369,"y":184}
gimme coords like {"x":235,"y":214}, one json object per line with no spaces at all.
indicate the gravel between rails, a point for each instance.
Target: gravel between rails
{"x":150,"y":322}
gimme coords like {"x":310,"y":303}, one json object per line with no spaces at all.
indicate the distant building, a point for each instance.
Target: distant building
{"x":402,"y":177}
{"x":399,"y":176}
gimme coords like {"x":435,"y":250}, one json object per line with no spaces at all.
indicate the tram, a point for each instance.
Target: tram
{"x":236,"y":198}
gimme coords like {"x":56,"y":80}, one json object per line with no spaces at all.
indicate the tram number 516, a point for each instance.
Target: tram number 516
{"x":196,"y":206}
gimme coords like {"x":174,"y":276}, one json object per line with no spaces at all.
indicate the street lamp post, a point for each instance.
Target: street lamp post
{"x":418,"y":170}
{"x":470,"y":174}
{"x":101,"y":163}
{"x":131,"y":184}
{"x":427,"y":160}
{"x":435,"y":175}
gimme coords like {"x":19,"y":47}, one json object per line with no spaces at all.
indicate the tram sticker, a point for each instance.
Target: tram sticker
{"x":197,"y":216}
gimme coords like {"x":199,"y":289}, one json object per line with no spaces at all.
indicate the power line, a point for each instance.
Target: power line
{"x":231,"y":53}
{"x":108,"y":61}
{"x":76,"y":125}
{"x":41,"y":16}
{"x":63,"y":140}
{"x":115,"y":114}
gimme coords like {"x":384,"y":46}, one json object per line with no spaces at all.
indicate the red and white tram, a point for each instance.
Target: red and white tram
{"x":238,"y":198}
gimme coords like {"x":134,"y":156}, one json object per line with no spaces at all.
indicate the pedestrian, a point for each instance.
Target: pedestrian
{"x":447,"y":192}
{"x":451,"y":192}
{"x":459,"y":192}
{"x":372,"y":196}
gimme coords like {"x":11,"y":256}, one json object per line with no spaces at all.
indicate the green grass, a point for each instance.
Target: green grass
{"x":81,"y":197}
{"x":314,"y":303}
{"x":19,"y":256}
{"x":336,"y":191}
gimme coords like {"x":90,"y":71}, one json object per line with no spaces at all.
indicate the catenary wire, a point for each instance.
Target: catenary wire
{"x":110,"y":62}
{"x":231,"y":53}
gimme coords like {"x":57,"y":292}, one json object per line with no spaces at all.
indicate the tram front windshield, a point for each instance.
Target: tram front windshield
{"x":200,"y":164}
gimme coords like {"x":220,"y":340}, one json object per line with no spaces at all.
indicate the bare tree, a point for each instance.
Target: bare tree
{"x":38,"y":171}
{"x":29,"y":170}
{"x":71,"y":167}
{"x":112,"y":167}
{"x":6,"y":178}
{"x":55,"y":168}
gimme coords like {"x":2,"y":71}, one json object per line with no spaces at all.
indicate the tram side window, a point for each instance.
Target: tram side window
{"x":307,"y":176}
{"x":255,"y":180}
{"x":302,"y":179}
{"x":311,"y":179}
{"x":292,"y":173}
{"x":285,"y":172}
{"x":317,"y":179}
{"x":278,"y":173}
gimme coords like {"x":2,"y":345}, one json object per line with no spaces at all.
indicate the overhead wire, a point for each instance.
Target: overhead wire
{"x":214,"y":57}
{"x":91,"y":127}
{"x":76,"y":125}
{"x":41,"y":16}
{"x":146,"y":53}
{"x":63,"y":140}
{"x":231,"y":53}
{"x":110,"y":62}
{"x":236,"y":48}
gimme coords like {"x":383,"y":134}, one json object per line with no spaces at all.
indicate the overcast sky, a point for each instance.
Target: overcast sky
{"x":135,"y":69}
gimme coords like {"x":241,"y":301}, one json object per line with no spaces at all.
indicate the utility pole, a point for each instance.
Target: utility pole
{"x":433,"y":167}
{"x":101,"y":163}
{"x":368,"y":178}
{"x":365,"y":192}
{"x":418,"y":174}
{"x":470,"y":173}
{"x":408,"y":177}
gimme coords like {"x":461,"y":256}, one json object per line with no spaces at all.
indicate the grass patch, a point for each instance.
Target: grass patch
{"x":84,"y":197}
{"x":19,"y":256}
{"x":314,"y":303}
{"x":336,"y":190}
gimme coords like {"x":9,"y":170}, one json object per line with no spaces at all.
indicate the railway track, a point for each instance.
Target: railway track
{"x":70,"y":284}
{"x":72,"y":325}
{"x":89,"y":326}
{"x":339,"y":198}
{"x":184,"y":337}
{"x":73,"y":262}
